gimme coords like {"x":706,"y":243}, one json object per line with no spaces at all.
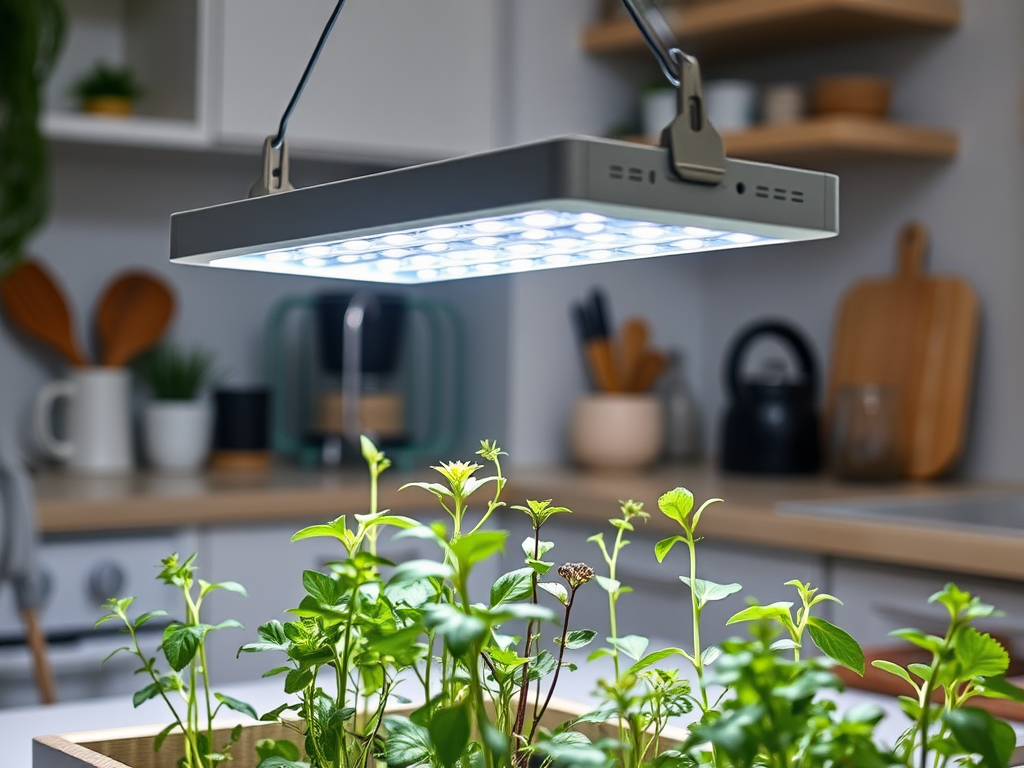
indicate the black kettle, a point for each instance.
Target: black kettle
{"x":771,"y":425}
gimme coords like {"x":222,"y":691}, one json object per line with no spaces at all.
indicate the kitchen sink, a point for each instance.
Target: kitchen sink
{"x":990,"y":513}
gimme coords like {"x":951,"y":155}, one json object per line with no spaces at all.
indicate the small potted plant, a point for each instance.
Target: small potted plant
{"x":177,"y":421}
{"x":108,"y":90}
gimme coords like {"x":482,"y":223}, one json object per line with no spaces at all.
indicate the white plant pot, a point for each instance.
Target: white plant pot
{"x":616,"y":431}
{"x":177,"y":434}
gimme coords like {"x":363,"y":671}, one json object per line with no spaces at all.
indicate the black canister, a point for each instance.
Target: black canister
{"x":241,"y":420}
{"x":771,"y":425}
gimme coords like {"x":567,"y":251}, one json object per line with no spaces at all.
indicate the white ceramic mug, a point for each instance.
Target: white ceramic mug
{"x":98,"y":420}
{"x":617,"y":431}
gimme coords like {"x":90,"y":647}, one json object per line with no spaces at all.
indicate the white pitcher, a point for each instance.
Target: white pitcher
{"x":98,"y":421}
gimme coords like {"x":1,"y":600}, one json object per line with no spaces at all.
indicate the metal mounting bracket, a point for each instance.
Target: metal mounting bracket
{"x":695,"y":148}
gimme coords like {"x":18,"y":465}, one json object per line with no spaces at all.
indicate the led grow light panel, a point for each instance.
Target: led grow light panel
{"x":525,"y":242}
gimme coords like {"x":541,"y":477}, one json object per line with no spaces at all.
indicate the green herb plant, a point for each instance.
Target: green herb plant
{"x":176,"y":373}
{"x":488,"y":667}
{"x":351,"y":628}
{"x":966,"y":663}
{"x":107,"y":80}
{"x":31,"y":34}
{"x":188,"y":681}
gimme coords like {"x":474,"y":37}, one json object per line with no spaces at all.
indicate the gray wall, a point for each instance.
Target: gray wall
{"x":111,"y":211}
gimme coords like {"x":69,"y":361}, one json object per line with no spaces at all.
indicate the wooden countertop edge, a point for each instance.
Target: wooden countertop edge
{"x":743,"y":518}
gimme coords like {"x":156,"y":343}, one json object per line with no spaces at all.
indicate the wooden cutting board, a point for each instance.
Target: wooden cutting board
{"x":916,"y":333}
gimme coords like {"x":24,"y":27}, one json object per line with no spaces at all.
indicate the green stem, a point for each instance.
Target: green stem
{"x":558,"y":667}
{"x":698,"y":661}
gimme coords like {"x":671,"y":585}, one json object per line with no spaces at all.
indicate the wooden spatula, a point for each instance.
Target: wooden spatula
{"x":33,"y":301}
{"x":133,"y":314}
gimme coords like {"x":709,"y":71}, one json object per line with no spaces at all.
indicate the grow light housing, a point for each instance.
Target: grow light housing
{"x":555,"y":203}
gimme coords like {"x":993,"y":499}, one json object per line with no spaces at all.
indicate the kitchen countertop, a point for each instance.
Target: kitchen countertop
{"x":70,"y":504}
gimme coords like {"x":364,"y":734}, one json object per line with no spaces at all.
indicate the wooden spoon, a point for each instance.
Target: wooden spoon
{"x":634,"y":339}
{"x":132,"y":316}
{"x":35,"y":303}
{"x":651,"y":367}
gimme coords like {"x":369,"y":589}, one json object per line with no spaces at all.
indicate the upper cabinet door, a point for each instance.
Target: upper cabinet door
{"x":398,"y":79}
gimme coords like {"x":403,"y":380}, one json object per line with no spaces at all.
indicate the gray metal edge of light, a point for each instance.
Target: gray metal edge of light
{"x":562,"y":169}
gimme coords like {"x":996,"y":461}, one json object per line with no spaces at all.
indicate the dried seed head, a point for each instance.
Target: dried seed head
{"x":576,"y":573}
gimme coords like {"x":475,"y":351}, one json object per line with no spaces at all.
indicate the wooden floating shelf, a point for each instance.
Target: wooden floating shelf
{"x":825,"y":142}
{"x":719,"y":29}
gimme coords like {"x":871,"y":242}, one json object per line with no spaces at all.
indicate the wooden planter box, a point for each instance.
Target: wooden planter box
{"x":133,"y":747}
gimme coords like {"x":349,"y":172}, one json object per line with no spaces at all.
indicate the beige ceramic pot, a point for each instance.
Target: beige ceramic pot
{"x":616,"y":431}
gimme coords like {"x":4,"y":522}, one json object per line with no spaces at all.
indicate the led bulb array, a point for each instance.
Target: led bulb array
{"x":490,"y":246}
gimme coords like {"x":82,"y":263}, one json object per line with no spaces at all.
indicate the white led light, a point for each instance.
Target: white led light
{"x":567,"y":244}
{"x":474,"y":254}
{"x":536,"y":234}
{"x":643,"y":250}
{"x":697,"y":232}
{"x":540,"y":220}
{"x":489,"y":226}
{"x":521,"y":249}
{"x":442,"y":233}
{"x":499,"y":245}
{"x":647,"y":233}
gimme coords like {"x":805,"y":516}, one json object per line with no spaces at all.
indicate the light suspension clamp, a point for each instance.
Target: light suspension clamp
{"x":695,"y":148}
{"x":275,"y":150}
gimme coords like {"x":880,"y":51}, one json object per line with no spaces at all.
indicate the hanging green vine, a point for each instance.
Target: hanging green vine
{"x":31,"y":32}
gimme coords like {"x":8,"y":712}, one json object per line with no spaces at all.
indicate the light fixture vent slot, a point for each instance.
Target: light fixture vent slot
{"x":616,"y":171}
{"x":636,"y":174}
{"x":762,"y":191}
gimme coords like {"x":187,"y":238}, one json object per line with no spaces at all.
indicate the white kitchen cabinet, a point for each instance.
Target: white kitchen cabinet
{"x":405,"y":79}
{"x":878,"y":599}
{"x":166,"y":45}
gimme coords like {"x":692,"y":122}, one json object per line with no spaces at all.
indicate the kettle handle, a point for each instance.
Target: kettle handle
{"x":771,"y":328}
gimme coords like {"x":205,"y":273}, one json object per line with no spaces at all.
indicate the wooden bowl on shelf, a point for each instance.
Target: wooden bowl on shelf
{"x":862,"y":95}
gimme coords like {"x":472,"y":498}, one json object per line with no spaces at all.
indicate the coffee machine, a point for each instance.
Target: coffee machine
{"x":384,"y":365}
